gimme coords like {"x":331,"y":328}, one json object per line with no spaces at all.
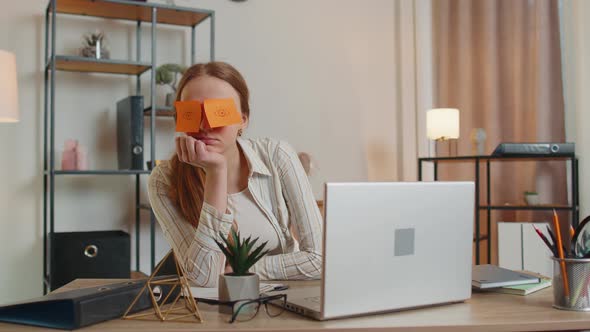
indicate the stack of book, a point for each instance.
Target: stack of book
{"x":496,"y":279}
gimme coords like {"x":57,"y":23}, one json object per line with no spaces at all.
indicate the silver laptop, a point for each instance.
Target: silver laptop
{"x":391,"y":246}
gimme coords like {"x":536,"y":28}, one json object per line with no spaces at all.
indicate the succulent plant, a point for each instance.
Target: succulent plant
{"x":93,"y":46}
{"x":92,"y":39}
{"x":167,"y":74}
{"x":240,"y":253}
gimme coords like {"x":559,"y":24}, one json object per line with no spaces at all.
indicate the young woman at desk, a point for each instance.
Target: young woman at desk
{"x":218,"y":180}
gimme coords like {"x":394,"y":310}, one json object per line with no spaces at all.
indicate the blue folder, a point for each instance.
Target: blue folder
{"x":78,"y":308}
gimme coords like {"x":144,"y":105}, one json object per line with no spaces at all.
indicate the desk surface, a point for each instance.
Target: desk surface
{"x":483,"y":312}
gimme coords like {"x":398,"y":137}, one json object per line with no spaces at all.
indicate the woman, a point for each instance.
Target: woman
{"x":218,"y":180}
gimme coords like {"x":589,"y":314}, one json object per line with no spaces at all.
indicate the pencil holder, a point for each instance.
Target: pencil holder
{"x":572,"y":291}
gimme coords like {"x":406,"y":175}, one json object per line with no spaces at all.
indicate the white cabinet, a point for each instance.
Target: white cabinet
{"x":520,"y":248}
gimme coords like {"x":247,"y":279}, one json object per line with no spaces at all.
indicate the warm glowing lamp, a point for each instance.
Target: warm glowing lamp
{"x":442,"y":124}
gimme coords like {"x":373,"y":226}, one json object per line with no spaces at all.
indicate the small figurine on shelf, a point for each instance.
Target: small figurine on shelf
{"x":74,"y":157}
{"x":478,"y":139}
{"x":94,"y":46}
{"x":167,"y":74}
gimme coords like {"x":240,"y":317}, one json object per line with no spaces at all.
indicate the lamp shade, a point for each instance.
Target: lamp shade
{"x":8,"y":88}
{"x":442,"y":123}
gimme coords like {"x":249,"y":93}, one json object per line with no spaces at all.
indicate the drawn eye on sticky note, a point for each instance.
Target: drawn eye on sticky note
{"x":188,"y":116}
{"x":221,"y":112}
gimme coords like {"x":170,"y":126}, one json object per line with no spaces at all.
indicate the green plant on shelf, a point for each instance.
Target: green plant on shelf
{"x":167,"y":74}
{"x":531,"y":197}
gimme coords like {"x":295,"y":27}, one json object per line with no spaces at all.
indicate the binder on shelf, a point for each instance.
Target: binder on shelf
{"x":130,"y":133}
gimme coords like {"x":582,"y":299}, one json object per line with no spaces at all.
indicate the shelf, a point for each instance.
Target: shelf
{"x":105,"y":172}
{"x":133,"y":11}
{"x":162,"y":111}
{"x":525,"y":207}
{"x":492,"y":158}
{"x":106,"y":66}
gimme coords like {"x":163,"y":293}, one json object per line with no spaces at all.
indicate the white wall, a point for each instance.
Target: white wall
{"x":313,"y":67}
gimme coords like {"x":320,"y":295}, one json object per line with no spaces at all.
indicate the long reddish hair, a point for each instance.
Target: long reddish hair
{"x":187,"y":189}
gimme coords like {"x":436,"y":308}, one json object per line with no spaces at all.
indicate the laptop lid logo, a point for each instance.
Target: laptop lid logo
{"x":403,"y":243}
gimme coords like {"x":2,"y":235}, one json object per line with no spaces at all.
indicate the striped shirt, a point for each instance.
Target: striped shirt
{"x":280,"y":188}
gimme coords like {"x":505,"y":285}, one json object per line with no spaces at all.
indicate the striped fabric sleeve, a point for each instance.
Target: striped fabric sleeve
{"x":305,"y":218}
{"x":197,"y":252}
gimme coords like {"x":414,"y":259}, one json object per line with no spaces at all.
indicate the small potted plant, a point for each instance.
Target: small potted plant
{"x":167,"y":74}
{"x":241,"y":256}
{"x":94,"y":46}
{"x":531,"y":197}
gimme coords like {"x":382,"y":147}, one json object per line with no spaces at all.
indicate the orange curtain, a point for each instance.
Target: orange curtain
{"x":499,"y":63}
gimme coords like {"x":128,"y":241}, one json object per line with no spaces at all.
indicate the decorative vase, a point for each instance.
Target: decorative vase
{"x":97,"y":51}
{"x":478,"y":139}
{"x":69,"y":158}
{"x":170,"y":98}
{"x":233,"y":288}
{"x":531,"y":198}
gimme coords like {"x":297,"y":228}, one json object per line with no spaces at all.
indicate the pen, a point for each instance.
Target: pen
{"x":560,"y":251}
{"x":551,"y":247}
{"x":554,"y":241}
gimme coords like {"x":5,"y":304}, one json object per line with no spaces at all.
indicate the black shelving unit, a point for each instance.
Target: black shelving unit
{"x":138,"y":12}
{"x":488,"y":207}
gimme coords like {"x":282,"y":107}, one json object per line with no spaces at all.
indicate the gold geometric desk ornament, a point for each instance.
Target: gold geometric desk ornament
{"x":165,"y":293}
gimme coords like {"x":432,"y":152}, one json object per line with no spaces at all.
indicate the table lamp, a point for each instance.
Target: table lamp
{"x":8,"y":88}
{"x":442,"y":124}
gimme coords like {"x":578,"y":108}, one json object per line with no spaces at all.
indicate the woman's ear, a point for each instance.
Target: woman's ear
{"x":245,"y":121}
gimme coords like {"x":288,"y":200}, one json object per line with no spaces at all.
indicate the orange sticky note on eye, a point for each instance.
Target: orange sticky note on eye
{"x":221,"y":112}
{"x":188,"y":116}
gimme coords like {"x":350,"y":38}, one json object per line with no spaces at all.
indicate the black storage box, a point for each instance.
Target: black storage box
{"x":103,"y":254}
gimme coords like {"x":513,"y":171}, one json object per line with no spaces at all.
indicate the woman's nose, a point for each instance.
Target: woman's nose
{"x":204,"y":126}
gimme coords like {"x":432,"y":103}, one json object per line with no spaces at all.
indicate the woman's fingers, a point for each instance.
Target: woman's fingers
{"x":178,"y":149}
{"x":200,"y":149}
{"x":191,"y":155}
{"x":183,"y":149}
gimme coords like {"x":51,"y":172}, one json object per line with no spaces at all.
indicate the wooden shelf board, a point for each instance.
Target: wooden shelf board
{"x":526,"y":207}
{"x":90,"y":65}
{"x":133,"y":11}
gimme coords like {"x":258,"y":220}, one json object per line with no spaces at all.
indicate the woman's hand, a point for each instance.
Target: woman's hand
{"x":196,"y":153}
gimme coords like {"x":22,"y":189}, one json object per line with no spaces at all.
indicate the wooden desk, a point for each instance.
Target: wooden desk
{"x":483,"y":312}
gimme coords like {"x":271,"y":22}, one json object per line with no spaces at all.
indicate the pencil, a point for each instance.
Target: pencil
{"x":560,"y":252}
{"x":544,"y":238}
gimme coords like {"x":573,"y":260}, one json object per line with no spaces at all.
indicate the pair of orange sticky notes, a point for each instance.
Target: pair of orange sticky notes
{"x":216,"y":112}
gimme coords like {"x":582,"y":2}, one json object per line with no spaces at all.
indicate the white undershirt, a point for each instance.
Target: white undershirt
{"x":252,"y":221}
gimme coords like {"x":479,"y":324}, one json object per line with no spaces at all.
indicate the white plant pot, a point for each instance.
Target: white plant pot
{"x":170,"y":98}
{"x":531,"y":199}
{"x":232,"y":288}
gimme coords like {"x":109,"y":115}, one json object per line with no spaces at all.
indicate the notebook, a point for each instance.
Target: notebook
{"x":491,"y":276}
{"x":523,"y":289}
